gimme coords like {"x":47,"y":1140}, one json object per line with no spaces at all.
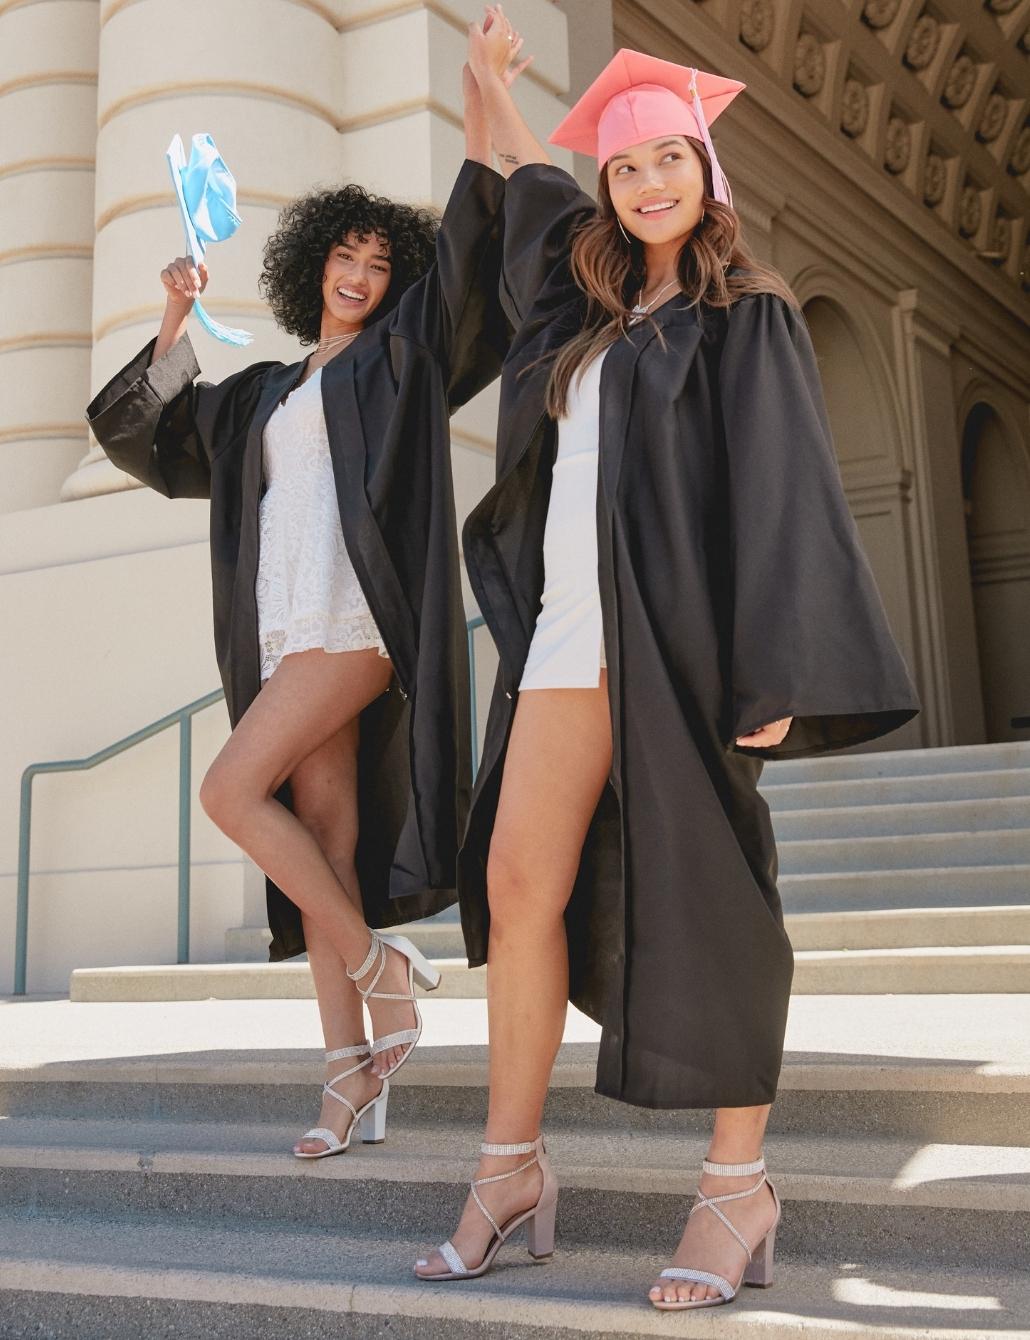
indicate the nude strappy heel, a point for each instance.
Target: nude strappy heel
{"x":540,"y":1219}
{"x":758,"y":1269}
{"x":371,"y":1117}
{"x":419,"y":970}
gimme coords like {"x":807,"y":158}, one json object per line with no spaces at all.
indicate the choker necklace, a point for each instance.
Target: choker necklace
{"x":334,"y":340}
{"x":639,"y":311}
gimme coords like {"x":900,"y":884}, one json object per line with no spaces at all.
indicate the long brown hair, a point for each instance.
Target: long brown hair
{"x":715,"y":268}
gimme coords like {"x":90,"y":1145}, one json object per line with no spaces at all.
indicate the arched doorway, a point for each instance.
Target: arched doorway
{"x":996,"y":487}
{"x":859,"y":406}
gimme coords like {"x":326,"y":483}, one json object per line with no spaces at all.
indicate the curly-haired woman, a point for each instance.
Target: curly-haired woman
{"x":339,"y":625}
{"x":677,"y":590}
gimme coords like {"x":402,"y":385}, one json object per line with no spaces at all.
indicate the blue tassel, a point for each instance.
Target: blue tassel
{"x":227,"y":334}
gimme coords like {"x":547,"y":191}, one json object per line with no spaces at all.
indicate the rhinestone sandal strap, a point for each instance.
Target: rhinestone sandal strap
{"x":733,"y":1169}
{"x":370,"y":957}
{"x":526,"y":1147}
{"x":346,"y":1074}
{"x":503,"y":1177}
{"x":500,"y":1177}
{"x":712,"y":1203}
{"x":342,"y":1053}
{"x":484,"y":1211}
{"x":449,"y":1253}
{"x":331,"y":1093}
{"x":700,"y":1277}
{"x":707,"y":1205}
{"x":395,"y":1040}
{"x":324,"y":1134}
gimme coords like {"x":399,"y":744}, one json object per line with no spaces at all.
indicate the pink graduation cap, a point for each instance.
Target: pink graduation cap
{"x":636,"y":98}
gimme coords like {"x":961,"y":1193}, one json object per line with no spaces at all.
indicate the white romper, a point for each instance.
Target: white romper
{"x":567,"y":651}
{"x":307,"y":590}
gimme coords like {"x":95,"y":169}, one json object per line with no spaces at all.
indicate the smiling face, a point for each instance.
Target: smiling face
{"x":657,"y":189}
{"x":357,"y":275}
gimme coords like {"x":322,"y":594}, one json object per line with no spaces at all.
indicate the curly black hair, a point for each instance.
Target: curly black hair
{"x":309,"y":227}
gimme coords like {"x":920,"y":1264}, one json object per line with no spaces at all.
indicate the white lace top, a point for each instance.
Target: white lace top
{"x":307,"y":591}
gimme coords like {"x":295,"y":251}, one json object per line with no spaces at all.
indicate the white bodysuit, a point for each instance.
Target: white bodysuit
{"x":567,"y":651}
{"x":307,"y":591}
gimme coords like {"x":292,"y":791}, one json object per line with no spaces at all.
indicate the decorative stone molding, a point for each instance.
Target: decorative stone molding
{"x":993,"y":119}
{"x":854,"y":108}
{"x":959,"y":84}
{"x":809,"y":65}
{"x":756,"y":24}
{"x":880,"y":13}
{"x":898,"y":149}
{"x":970,"y":211}
{"x":1019,"y":159}
{"x":935,"y":179}
{"x":1002,"y":6}
{"x":923,"y":42}
{"x":1000,"y":242}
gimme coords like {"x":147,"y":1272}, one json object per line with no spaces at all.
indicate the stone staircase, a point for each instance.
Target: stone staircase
{"x":901,"y":872}
{"x":155,"y":1196}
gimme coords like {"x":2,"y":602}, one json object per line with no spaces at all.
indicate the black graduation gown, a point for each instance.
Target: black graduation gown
{"x":734,"y":591}
{"x":387,"y":400}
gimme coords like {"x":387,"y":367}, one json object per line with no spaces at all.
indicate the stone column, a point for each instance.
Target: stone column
{"x":365,"y":90}
{"x":262,"y":76}
{"x":950,"y":677}
{"x":48,"y":63}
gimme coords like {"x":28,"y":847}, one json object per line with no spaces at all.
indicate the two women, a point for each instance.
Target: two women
{"x":677,"y":590}
{"x":339,"y":625}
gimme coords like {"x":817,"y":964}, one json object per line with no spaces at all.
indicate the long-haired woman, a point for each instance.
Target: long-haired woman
{"x":677,"y":591}
{"x":339,"y":626}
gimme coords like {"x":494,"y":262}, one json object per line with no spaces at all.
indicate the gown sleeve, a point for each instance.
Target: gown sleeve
{"x":543,"y":208}
{"x":159,"y":424}
{"x":810,"y":633}
{"x":454,"y":309}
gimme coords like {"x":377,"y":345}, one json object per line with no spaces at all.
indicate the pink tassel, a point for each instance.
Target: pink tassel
{"x":720,"y":184}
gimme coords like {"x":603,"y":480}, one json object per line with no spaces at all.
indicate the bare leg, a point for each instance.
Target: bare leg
{"x":706,"y":1243}
{"x":325,"y":800}
{"x":558,"y":761}
{"x":309,"y":698}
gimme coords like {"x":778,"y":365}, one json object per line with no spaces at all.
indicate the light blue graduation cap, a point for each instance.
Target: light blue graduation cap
{"x":206,"y":192}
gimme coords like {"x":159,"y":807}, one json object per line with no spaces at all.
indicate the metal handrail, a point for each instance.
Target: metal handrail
{"x":183,"y":717}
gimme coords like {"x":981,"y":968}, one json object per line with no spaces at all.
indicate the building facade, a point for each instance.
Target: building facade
{"x":880,"y":158}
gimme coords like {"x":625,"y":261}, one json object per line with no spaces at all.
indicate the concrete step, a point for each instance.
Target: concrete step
{"x":912,"y":851}
{"x":898,"y":790}
{"x":928,"y":887}
{"x":961,"y":1204}
{"x":74,"y":1278}
{"x":894,"y":819}
{"x":903,"y":927}
{"x":846,"y":971}
{"x":947,"y":1069}
{"x":913,"y":971}
{"x":899,"y":763}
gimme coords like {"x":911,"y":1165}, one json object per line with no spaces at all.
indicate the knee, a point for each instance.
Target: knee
{"x":514,"y":893}
{"x":221,"y":798}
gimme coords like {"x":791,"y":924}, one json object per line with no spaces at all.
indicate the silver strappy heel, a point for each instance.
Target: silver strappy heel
{"x":371,"y":1117}
{"x":540,"y":1218}
{"x":419,"y":970}
{"x":758,"y":1268}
